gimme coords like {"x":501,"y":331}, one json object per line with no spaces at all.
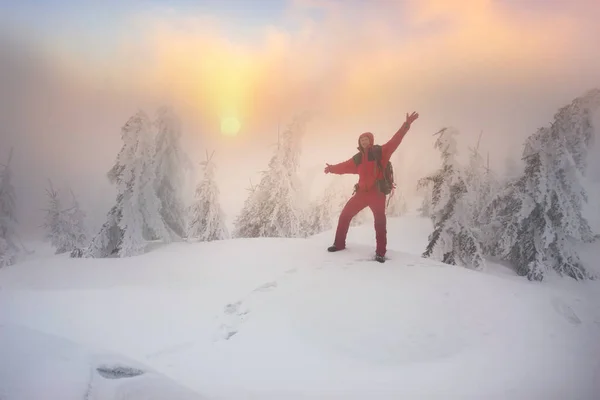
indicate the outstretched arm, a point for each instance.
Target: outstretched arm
{"x":388,"y":148}
{"x":346,"y":167}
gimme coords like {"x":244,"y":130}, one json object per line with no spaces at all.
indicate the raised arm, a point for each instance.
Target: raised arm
{"x":346,"y":167}
{"x":388,"y":148}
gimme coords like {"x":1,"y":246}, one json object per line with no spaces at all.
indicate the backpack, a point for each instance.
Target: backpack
{"x":385,"y":185}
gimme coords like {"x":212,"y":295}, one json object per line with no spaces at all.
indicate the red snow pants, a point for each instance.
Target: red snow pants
{"x":375,"y":200}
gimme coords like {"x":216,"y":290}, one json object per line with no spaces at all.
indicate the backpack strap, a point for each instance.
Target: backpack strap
{"x":357,"y":158}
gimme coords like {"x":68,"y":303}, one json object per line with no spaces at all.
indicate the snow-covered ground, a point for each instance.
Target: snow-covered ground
{"x":284,"y":319}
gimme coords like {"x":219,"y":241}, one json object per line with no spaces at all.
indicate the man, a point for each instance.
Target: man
{"x":367,"y":190}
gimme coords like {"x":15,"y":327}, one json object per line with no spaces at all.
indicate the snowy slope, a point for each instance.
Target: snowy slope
{"x":282,"y":318}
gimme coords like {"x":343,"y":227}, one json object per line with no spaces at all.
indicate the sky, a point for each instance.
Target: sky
{"x":73,"y":72}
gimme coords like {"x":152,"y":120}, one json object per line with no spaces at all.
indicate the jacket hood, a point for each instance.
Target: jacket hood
{"x":371,"y":139}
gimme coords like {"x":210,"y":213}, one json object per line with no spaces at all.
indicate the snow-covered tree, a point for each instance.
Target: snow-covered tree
{"x":481,"y":183}
{"x":9,"y":251}
{"x":207,"y":218}
{"x":56,"y":222}
{"x":171,"y":165}
{"x":325,"y":210}
{"x":426,"y":188}
{"x":512,"y":169}
{"x":78,"y":231}
{"x":396,"y":206}
{"x":248,"y":223}
{"x":137,"y":208}
{"x":274,"y":208}
{"x":454,"y":239}
{"x":537,"y":219}
{"x":107,"y":242}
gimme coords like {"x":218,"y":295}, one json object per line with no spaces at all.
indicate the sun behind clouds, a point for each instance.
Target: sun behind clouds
{"x":230,"y":126}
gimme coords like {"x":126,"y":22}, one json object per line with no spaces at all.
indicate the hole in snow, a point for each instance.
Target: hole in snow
{"x":118,"y":372}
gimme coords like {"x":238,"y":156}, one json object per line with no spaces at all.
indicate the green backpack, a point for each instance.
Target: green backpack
{"x":385,"y":185}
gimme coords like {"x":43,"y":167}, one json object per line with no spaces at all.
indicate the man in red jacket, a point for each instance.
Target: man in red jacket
{"x":367,"y":192}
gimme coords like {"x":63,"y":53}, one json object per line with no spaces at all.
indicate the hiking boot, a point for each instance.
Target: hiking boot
{"x":379,"y":258}
{"x":331,"y":249}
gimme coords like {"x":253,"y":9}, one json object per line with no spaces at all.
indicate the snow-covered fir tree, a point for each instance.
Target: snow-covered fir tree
{"x":454,"y":239}
{"x":396,"y":206}
{"x":512,"y":169}
{"x":56,"y":223}
{"x":107,"y":242}
{"x":481,"y":182}
{"x":78,"y":231}
{"x":207,"y":218}
{"x":171,"y":165}
{"x":537,"y":219}
{"x":425,"y":188}
{"x":325,"y":210}
{"x":274,"y":208}
{"x":248,"y":223}
{"x":9,"y":252}
{"x":137,"y":207}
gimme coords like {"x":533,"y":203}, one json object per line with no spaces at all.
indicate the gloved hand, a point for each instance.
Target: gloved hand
{"x":327,"y":168}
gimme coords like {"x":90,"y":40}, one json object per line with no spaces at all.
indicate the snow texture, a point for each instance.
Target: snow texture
{"x":207,"y":218}
{"x":43,"y":366}
{"x":220,"y":320}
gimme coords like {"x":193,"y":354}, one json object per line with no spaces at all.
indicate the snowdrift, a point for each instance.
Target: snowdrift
{"x":41,"y":366}
{"x":283,"y":318}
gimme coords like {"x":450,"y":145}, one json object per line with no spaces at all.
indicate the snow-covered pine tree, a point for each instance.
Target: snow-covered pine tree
{"x":325,"y":210}
{"x":207,"y":218}
{"x":107,"y":242}
{"x":9,"y":252}
{"x":248,"y":222}
{"x":141,"y":205}
{"x":397,"y":206}
{"x":56,"y":222}
{"x":171,"y":164}
{"x":77,"y":232}
{"x":137,"y":207}
{"x":511,"y":169}
{"x":454,"y":239}
{"x":537,"y":218}
{"x":425,"y":186}
{"x":274,"y":208}
{"x":481,"y":183}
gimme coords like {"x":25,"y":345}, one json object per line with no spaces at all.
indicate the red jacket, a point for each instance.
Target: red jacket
{"x":367,"y":170}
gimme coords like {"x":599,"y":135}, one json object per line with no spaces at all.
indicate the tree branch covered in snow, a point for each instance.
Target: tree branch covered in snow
{"x":274,"y":208}
{"x":537,"y":218}
{"x":207,"y":218}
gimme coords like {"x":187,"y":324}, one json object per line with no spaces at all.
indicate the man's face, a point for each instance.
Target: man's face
{"x":364,"y":142}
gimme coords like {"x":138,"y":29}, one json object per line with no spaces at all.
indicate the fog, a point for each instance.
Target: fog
{"x":501,"y":68}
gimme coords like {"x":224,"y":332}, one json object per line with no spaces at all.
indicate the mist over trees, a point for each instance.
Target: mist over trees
{"x":530,"y":216}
